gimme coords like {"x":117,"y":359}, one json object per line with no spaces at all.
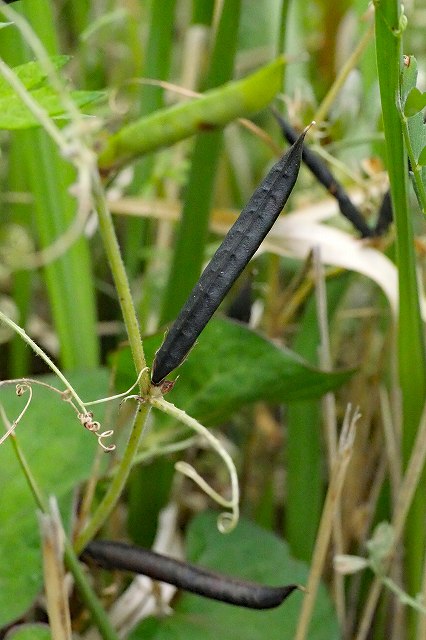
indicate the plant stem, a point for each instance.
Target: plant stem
{"x":112,"y":249}
{"x":412,"y":379}
{"x":189,"y":250}
{"x":88,"y":596}
{"x":322,"y":112}
{"x":116,"y":487}
{"x":157,"y":61}
{"x":335,"y":487}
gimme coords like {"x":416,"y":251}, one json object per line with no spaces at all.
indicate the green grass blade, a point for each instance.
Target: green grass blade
{"x":69,"y":279}
{"x":412,"y":374}
{"x":305,"y":454}
{"x":189,"y":250}
{"x":157,"y":64}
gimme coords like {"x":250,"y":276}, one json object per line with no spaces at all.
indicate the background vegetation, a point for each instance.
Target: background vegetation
{"x":332,"y":319}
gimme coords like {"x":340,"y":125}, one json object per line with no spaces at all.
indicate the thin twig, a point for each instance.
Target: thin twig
{"x":329,"y":411}
{"x":52,"y":537}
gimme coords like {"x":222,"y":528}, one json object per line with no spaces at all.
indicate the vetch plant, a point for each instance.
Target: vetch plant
{"x":238,"y":247}
{"x":283,"y":468}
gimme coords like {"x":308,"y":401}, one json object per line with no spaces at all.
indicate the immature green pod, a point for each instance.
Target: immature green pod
{"x":125,"y":557}
{"x":236,"y":250}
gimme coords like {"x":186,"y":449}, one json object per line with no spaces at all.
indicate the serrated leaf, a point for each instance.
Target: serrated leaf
{"x":31,"y":74}
{"x":415,"y":102}
{"x":232,"y":366}
{"x":250,"y":553}
{"x":15,"y":115}
{"x":60,"y":453}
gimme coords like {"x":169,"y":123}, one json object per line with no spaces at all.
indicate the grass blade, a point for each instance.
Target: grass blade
{"x":410,"y":332}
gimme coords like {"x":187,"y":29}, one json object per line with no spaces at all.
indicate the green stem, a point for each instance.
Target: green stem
{"x":34,"y":346}
{"x":189,"y":250}
{"x":324,"y":108}
{"x":112,"y":249}
{"x":157,"y":61}
{"x":88,"y":596}
{"x":410,"y":331}
{"x":116,"y":487}
{"x":282,"y":30}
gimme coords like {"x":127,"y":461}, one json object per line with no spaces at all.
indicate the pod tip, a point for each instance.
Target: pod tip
{"x":311,"y":124}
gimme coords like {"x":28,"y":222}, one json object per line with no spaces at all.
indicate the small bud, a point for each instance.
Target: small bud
{"x":347,"y":564}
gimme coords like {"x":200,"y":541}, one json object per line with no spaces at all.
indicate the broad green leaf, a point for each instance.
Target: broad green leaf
{"x":60,"y":453}
{"x":422,"y":157}
{"x":411,"y":99}
{"x":31,"y":74}
{"x":408,"y":77}
{"x":250,"y":553}
{"x":29,"y":632}
{"x":232,"y":366}
{"x":415,"y":102}
{"x":15,"y":115}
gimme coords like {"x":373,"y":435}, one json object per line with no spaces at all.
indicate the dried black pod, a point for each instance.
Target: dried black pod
{"x":210,"y":584}
{"x":323,"y":174}
{"x":385,"y":217}
{"x":238,"y":247}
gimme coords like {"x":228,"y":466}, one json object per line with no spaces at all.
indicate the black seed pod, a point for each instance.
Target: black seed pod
{"x":238,"y":247}
{"x":385,"y":217}
{"x":323,"y":174}
{"x":216,"y":586}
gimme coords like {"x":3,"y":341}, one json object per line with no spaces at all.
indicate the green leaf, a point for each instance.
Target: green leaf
{"x":15,"y":115}
{"x":422,"y":157}
{"x":29,"y":632}
{"x":60,"y":453}
{"x":232,"y":366}
{"x":31,"y":74}
{"x":415,"y":102}
{"x":250,"y":553}
{"x":408,"y":77}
